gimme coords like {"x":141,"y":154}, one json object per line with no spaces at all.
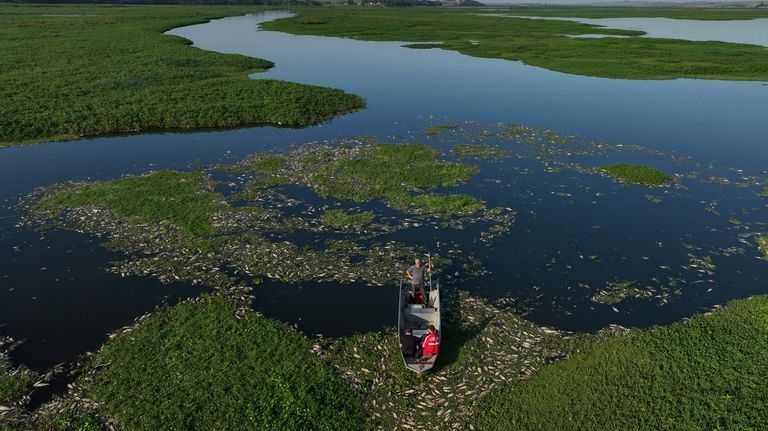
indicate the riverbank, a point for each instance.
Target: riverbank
{"x":542,"y":43}
{"x":73,"y":71}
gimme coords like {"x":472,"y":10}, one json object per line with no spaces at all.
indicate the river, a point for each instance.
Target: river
{"x":574,"y":232}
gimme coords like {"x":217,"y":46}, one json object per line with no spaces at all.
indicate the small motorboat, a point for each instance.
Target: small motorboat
{"x":417,"y":316}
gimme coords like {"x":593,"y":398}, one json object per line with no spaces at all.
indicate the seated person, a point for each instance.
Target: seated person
{"x":409,"y":344}
{"x":431,"y":344}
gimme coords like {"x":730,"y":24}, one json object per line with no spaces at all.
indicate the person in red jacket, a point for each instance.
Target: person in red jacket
{"x":431,"y":345}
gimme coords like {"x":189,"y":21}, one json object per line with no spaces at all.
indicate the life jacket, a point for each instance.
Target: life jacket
{"x":431,"y":345}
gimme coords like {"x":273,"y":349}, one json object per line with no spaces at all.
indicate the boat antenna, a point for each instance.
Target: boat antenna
{"x":429,"y":268}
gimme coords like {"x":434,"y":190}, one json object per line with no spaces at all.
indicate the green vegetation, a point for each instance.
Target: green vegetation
{"x":541,"y":43}
{"x":339,"y":218}
{"x":762,"y":243}
{"x":734,"y":221}
{"x":392,"y":171}
{"x":71,"y":71}
{"x":268,"y":163}
{"x":446,"y":205}
{"x":182,"y":199}
{"x":482,"y":150}
{"x":707,"y":373}
{"x":616,"y":292}
{"x":435,"y":130}
{"x":13,"y":382}
{"x":200,"y":367}
{"x":637,"y":174}
{"x":69,"y":417}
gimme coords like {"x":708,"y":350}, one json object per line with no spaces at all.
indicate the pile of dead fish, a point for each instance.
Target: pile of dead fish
{"x":497,"y":348}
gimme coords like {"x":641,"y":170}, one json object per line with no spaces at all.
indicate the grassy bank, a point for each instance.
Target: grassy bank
{"x":540,"y":43}
{"x":71,"y":71}
{"x":707,"y":373}
{"x":199,"y":367}
{"x":14,"y":382}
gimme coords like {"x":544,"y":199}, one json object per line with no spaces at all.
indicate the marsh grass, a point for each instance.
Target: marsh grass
{"x":637,"y":174}
{"x":477,"y":150}
{"x":441,"y":204}
{"x":14,"y":382}
{"x":393,"y":172}
{"x":268,"y":163}
{"x":618,"y":291}
{"x":198,"y":367}
{"x":543,"y":42}
{"x":340,"y":218}
{"x":706,"y":373}
{"x":182,"y":199}
{"x":72,"y":71}
{"x":762,"y":244}
{"x":435,"y":130}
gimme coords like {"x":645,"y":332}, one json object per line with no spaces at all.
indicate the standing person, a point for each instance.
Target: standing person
{"x":415,"y":274}
{"x":430,"y":347}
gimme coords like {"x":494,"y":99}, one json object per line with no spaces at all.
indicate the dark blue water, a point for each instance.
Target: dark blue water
{"x":55,"y":294}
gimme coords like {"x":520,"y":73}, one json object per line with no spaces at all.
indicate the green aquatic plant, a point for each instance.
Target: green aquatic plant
{"x":478,"y":150}
{"x":184,"y":200}
{"x":637,"y":174}
{"x":442,"y":204}
{"x":762,"y":244}
{"x":393,"y":172}
{"x":545,"y":43}
{"x":617,"y":291}
{"x":72,"y":71}
{"x":435,"y":130}
{"x":340,"y":218}
{"x":705,"y":373}
{"x":208,"y":365}
{"x":268,"y":163}
{"x":14,"y":382}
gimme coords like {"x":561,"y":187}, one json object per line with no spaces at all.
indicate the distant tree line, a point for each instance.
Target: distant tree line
{"x":400,"y":3}
{"x":407,"y":3}
{"x":179,"y":2}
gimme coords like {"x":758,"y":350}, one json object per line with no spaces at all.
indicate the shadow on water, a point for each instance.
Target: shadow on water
{"x":329,"y":309}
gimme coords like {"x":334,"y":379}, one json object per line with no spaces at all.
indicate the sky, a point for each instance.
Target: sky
{"x":586,"y":2}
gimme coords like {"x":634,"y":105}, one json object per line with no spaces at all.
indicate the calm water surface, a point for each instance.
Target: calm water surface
{"x":753,"y":32}
{"x":55,"y":295}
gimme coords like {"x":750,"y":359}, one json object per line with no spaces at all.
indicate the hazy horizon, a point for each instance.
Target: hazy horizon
{"x":614,"y":2}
